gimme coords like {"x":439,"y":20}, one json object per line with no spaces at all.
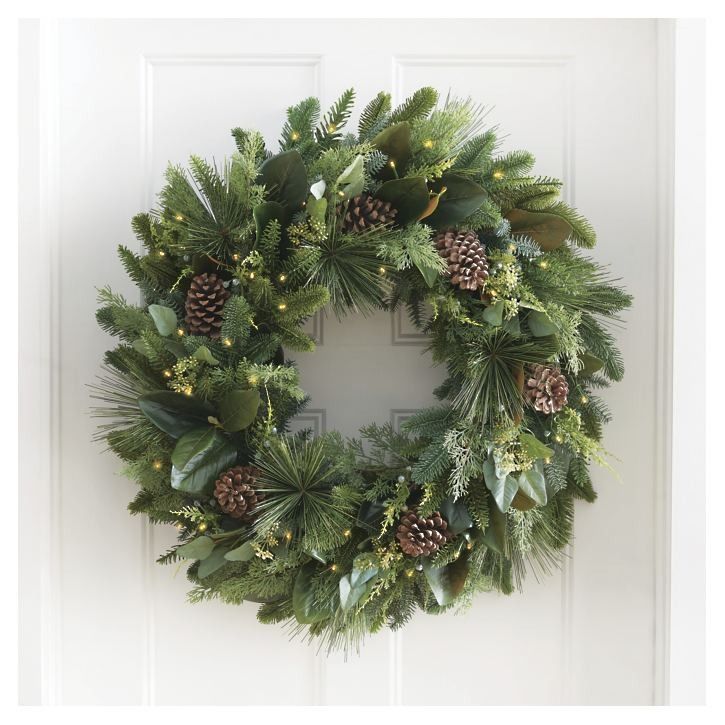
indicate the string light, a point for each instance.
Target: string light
{"x":252,"y":379}
{"x":179,"y":218}
{"x":179,"y":525}
{"x":341,"y":194}
{"x":498,"y":174}
{"x":295,"y":135}
{"x":202,"y":526}
{"x":235,"y":257}
{"x":512,"y":248}
{"x":188,"y":390}
{"x":282,"y":306}
{"x":428,"y":143}
{"x":584,"y":399}
{"x":331,"y":128}
{"x":543,"y":264}
{"x":547,"y":461}
{"x":391,"y":164}
{"x":251,"y":275}
{"x":288,"y":535}
{"x":469,"y":545}
{"x":558,"y":439}
{"x":167,"y":373}
{"x":333,"y":567}
{"x":226,"y":342}
{"x":157,"y":465}
{"x":162,"y":253}
{"x":410,"y":572}
{"x":282,"y":277}
{"x":347,"y":533}
{"x":381,"y":270}
{"x":180,"y":332}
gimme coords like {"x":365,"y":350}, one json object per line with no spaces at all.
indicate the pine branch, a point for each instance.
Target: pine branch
{"x":416,"y":107}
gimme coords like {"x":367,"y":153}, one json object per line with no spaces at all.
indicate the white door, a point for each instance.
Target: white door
{"x":118,"y":99}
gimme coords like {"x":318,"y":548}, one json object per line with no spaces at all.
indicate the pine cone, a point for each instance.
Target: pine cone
{"x":546,"y":389}
{"x":467,"y":262}
{"x":234,"y":490}
{"x":365,"y":211}
{"x":419,"y":536}
{"x":204,"y":304}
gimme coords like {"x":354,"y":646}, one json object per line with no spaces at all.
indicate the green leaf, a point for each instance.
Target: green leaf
{"x":547,"y":230}
{"x":214,"y":561}
{"x":285,"y":178}
{"x":429,"y":274}
{"x":394,"y":142}
{"x":495,"y":534}
{"x":408,"y":196}
{"x":533,"y":484}
{"x":174,"y":413}
{"x":245,"y":552}
{"x":503,"y":488}
{"x":540,"y":324}
{"x":303,"y":601}
{"x":164,"y":319}
{"x":493,"y":314}
{"x":175,"y":348}
{"x":239,"y":409}
{"x":446,"y":582}
{"x":197,"y":459}
{"x":533,"y":447}
{"x":264,"y":213}
{"x":590,"y":364}
{"x":456,"y":514}
{"x":140,"y":347}
{"x":462,"y":197}
{"x":318,"y":189}
{"x":352,"y":179}
{"x":196,"y":549}
{"x":316,"y":208}
{"x":317,"y":556}
{"x":355,"y":585}
{"x":204,"y":354}
{"x":369,"y":515}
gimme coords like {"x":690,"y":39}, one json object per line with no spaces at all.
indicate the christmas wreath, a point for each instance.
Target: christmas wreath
{"x":342,"y":537}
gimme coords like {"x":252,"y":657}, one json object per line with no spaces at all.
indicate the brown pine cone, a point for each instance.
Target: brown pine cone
{"x":546,"y":389}
{"x":466,"y":258}
{"x":235,"y":492}
{"x":204,"y":304}
{"x":364,"y":212}
{"x":419,"y":536}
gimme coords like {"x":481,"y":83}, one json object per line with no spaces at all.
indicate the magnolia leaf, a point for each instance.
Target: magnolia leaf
{"x":533,"y":447}
{"x":429,"y":274}
{"x":198,"y":548}
{"x":446,"y":582}
{"x":408,"y":196}
{"x":285,"y":177}
{"x":306,"y":610}
{"x":493,"y":314}
{"x":266,"y":212}
{"x":316,"y":208}
{"x":211,"y":563}
{"x":540,"y":324}
{"x":513,"y":326}
{"x":140,"y":347}
{"x":456,"y":514}
{"x":352,"y":179}
{"x":175,"y":348}
{"x":521,"y":502}
{"x":547,"y":230}
{"x":318,"y":189}
{"x":174,"y":413}
{"x":462,"y":197}
{"x":197,"y":459}
{"x":317,"y":556}
{"x":204,"y":354}
{"x":355,"y":585}
{"x":369,"y":515}
{"x":503,"y":488}
{"x":164,"y":319}
{"x":394,"y":142}
{"x":590,"y":364}
{"x":533,"y":484}
{"x":239,"y":409}
{"x":245,"y":552}
{"x":495,"y":534}
{"x":432,"y":205}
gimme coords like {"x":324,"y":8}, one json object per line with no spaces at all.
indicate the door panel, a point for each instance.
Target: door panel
{"x":136,"y":94}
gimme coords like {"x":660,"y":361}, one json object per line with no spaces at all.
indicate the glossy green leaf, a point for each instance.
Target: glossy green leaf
{"x":495,"y":534}
{"x":264,"y":213}
{"x":369,"y":515}
{"x":429,"y":274}
{"x":493,"y":314}
{"x":204,"y":354}
{"x":533,"y":447}
{"x":503,"y":488}
{"x":456,"y":514}
{"x":214,"y":561}
{"x":197,"y":459}
{"x":316,"y":208}
{"x":174,"y":413}
{"x":446,"y":582}
{"x":540,"y":324}
{"x":140,"y":347}
{"x":285,"y":177}
{"x":239,"y":409}
{"x":547,"y":230}
{"x":175,"y":348}
{"x":164,"y":318}
{"x":306,"y":610}
{"x":394,"y":142}
{"x":352,"y":180}
{"x":355,"y":585}
{"x":590,"y":364}
{"x":408,"y":196}
{"x":533,"y":484}
{"x":245,"y":552}
{"x":462,"y":197}
{"x":198,"y":548}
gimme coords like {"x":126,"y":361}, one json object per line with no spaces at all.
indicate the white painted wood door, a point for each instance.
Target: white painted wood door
{"x":118,"y":99}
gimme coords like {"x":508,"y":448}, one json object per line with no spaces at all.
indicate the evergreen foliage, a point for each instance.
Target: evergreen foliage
{"x":319,"y":554}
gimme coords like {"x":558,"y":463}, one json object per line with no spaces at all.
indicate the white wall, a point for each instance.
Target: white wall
{"x":114,"y":102}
